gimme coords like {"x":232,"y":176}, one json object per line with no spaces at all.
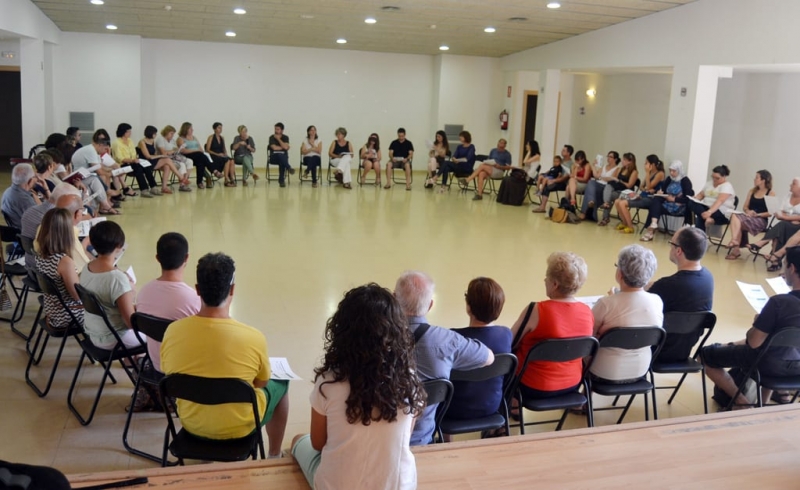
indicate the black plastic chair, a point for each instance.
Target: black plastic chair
{"x":32,"y":284}
{"x":209,"y":391}
{"x":74,"y":329}
{"x":154,"y":328}
{"x":105,"y":357}
{"x":558,"y":350}
{"x":788,"y":338}
{"x":504,"y":365}
{"x":276,"y":175}
{"x":721,"y":239}
{"x":439,"y":391}
{"x":9,"y":271}
{"x":302,"y":177}
{"x":630,"y":338}
{"x":678,"y":323}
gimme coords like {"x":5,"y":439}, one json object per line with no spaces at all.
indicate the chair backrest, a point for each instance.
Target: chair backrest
{"x":787,"y":337}
{"x":8,"y":233}
{"x":503,"y":364}
{"x":207,"y":391}
{"x":92,"y":305}
{"x":48,"y":286}
{"x":735,"y":202}
{"x":481,"y":158}
{"x":152,"y":326}
{"x":562,"y":350}
{"x":631,"y":338}
{"x":439,"y":391}
{"x":682,"y":323}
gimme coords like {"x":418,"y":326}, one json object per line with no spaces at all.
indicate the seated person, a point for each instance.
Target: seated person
{"x":718,"y":198}
{"x":124,"y":152}
{"x":601,"y":176}
{"x":371,"y":158}
{"x":221,"y":164}
{"x":554,"y":180}
{"x":54,"y":262}
{"x":112,"y":287}
{"x":494,"y":168}
{"x":89,"y":156}
{"x":781,"y":311}
{"x":440,"y":151}
{"x":787,"y":225}
{"x":471,"y":400}
{"x":671,"y":198}
{"x":279,"y":153}
{"x":190,"y":148}
{"x":32,"y":218}
{"x":560,"y":316}
{"x":20,"y":196}
{"x":689,"y":290}
{"x":566,"y":157}
{"x":166,"y":144}
{"x":311,"y":151}
{"x":167,"y":296}
{"x":462,"y":162}
{"x":401,"y":152}
{"x":341,"y":155}
{"x":243,"y":148}
{"x":363,"y":405}
{"x":531,"y":162}
{"x":754,"y":219}
{"x":578,"y":178}
{"x":158,"y":161}
{"x":631,"y":307}
{"x":211,"y":344}
{"x":44,"y":166}
{"x":653,"y":179}
{"x":626,"y":179}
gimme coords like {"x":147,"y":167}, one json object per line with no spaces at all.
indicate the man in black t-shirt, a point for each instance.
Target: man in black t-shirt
{"x":401,"y":152}
{"x":781,"y":311}
{"x":279,"y":146}
{"x":689,"y":290}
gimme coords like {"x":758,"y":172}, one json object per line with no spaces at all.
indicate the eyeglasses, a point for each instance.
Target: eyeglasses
{"x":674,"y":244}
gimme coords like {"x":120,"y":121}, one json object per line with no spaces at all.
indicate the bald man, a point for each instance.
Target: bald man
{"x":80,"y":254}
{"x":32,"y":217}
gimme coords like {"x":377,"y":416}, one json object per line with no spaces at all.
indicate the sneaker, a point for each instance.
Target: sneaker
{"x":477,"y":197}
{"x":291,"y":171}
{"x":146,"y":193}
{"x":184,"y":188}
{"x":155,"y":192}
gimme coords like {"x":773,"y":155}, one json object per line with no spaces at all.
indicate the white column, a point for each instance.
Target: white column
{"x":32,"y":81}
{"x":703,"y":122}
{"x":547,"y":115}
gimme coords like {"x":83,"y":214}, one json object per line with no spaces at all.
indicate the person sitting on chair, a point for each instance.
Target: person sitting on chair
{"x":243,"y":148}
{"x":671,"y":198}
{"x":494,"y":168}
{"x":579,"y":176}
{"x":628,"y":306}
{"x":755,"y":217}
{"x":371,"y":158}
{"x":440,"y":150}
{"x":782,"y":311}
{"x":717,"y":200}
{"x":124,"y":152}
{"x":554,"y":180}
{"x":166,"y":144}
{"x":279,"y":144}
{"x":531,"y":163}
{"x":20,"y":196}
{"x":401,"y":152}
{"x":463,"y":160}
{"x":221,"y":163}
{"x":147,"y":150}
{"x":310,"y":152}
{"x":689,"y":290}
{"x":788,"y":225}
{"x":566,"y":157}
{"x":601,"y":176}
{"x":341,"y":155}
{"x":652,"y":183}
{"x":189,"y":146}
{"x":211,"y":344}
{"x":625,"y":180}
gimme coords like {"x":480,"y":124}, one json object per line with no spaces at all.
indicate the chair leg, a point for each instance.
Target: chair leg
{"x":19,"y":310}
{"x":106,"y":372}
{"x":562,"y":419}
{"x":628,"y":405}
{"x":677,"y":387}
{"x":32,"y":332}
{"x":614,"y":403}
{"x":705,"y":397}
{"x":41,"y":393}
{"x":128,"y":447}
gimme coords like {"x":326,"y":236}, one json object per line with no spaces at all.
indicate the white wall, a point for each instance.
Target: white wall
{"x":628,"y":114}
{"x":13,"y":46}
{"x":24,"y":18}
{"x":756,"y":126}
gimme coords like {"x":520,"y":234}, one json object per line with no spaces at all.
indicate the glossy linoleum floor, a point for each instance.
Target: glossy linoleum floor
{"x":297,"y":250}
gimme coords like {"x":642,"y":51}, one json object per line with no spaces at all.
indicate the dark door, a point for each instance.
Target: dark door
{"x":11,"y":122}
{"x":530,"y":116}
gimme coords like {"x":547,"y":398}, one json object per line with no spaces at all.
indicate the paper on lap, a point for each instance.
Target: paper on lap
{"x":280,"y":370}
{"x":107,"y":161}
{"x":754,"y":294}
{"x":778,"y":284}
{"x":86,"y":225}
{"x":144,"y":163}
{"x":122,"y":170}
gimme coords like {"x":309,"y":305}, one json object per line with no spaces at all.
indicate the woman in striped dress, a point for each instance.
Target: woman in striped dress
{"x":55,"y":240}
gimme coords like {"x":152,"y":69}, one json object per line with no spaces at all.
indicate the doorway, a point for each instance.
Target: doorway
{"x":11,"y":109}
{"x":530,"y":100}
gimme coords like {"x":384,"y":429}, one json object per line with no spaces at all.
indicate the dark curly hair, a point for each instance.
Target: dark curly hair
{"x":369,"y":345}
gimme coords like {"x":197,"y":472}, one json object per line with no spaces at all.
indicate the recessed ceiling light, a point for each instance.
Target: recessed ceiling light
{"x":433,"y":26}
{"x":390,"y":8}
{"x":97,"y":2}
{"x":230,"y":34}
{"x":490,"y":30}
{"x":444,"y":47}
{"x":553,"y":5}
{"x":111,"y":27}
{"x":239,"y":11}
{"x":370,"y":20}
{"x":518,"y":19}
{"x":341,"y":40}
{"x":306,"y":16}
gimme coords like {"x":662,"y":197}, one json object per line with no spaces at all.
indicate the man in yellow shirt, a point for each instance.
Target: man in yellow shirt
{"x":213,"y":345}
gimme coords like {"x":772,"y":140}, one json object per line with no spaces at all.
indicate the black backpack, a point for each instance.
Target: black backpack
{"x":513,"y":189}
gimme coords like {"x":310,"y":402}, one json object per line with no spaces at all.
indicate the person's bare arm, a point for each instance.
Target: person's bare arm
{"x":755,"y":337}
{"x":125,"y":306}
{"x":66,"y":269}
{"x":331,"y":154}
{"x":319,"y":430}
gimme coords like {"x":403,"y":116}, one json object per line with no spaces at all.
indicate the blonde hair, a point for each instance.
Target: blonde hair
{"x":167,"y":129}
{"x":341,"y":131}
{"x":241,"y":128}
{"x":568,"y":270}
{"x":184,"y":129}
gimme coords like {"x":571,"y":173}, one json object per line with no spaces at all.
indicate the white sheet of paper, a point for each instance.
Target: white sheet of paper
{"x":589,"y":300}
{"x":754,"y":294}
{"x":94,"y":168}
{"x":773,"y":204}
{"x":86,"y":225}
{"x":131,"y":274}
{"x":691,"y":198}
{"x":208,"y":156}
{"x":144,"y":163}
{"x":107,"y":160}
{"x":459,"y":160}
{"x":778,"y":284}
{"x":19,"y":261}
{"x":122,"y":170}
{"x":280,"y":369}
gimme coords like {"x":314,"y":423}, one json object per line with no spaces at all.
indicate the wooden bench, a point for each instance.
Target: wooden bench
{"x":756,"y":448}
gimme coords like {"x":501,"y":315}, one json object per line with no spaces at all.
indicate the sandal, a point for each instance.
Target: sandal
{"x":605,"y":206}
{"x":733,"y":253}
{"x":627,"y":230}
{"x":387,"y":186}
{"x":110,"y":211}
{"x":774,"y":263}
{"x":603,"y":222}
{"x":647,"y":236}
{"x":166,"y":190}
{"x":408,"y":187}
{"x":130,"y":192}
{"x":755,"y":249}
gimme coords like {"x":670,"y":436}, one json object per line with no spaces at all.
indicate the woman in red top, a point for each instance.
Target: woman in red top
{"x":580,"y":176}
{"x":560,"y":316}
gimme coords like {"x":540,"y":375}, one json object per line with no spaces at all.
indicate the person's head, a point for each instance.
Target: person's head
{"x":217,"y":127}
{"x":567,"y":151}
{"x":101,"y":140}
{"x":613,"y":157}
{"x":372,"y":142}
{"x":43,"y":163}
{"x":794,"y":187}
{"x":64,"y":189}
{"x":107,"y":237}
{"x":635,"y":266}
{"x":791,"y":273}
{"x":557,"y":161}
{"x":215,"y":279}
{"x":485,"y":299}
{"x":401,"y":134}
{"x":172,"y":251}
{"x":150,"y":132}
{"x":688,"y":244}
{"x":23,"y":175}
{"x":654,"y":163}
{"x":464,"y":137}
{"x":341,"y":133}
{"x":629,"y":161}
{"x":242,"y":130}
{"x":279,"y":128}
{"x":124,"y":130}
{"x":311,"y":132}
{"x":72,"y":202}
{"x":566,"y":273}
{"x":56,"y":234}
{"x":186,"y":130}
{"x":532,"y":147}
{"x":55,"y":155}
{"x":580,"y":158}
{"x":75,"y":132}
{"x":676,"y":170}
{"x":441,"y":137}
{"x":414,"y":292}
{"x":719,"y":175}
{"x":763,"y":178}
{"x":70,"y":141}
{"x":168,"y":132}
{"x":501,"y":144}
{"x":377,"y":140}
{"x":369,"y":345}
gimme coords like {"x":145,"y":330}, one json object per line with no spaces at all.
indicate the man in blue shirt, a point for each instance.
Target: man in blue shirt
{"x":19,"y":197}
{"x":492,"y":168}
{"x":438,"y":350}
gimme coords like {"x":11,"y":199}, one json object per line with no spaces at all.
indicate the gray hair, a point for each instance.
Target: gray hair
{"x":637,"y":265}
{"x":22,"y":173}
{"x":63,"y":189}
{"x":414,"y":292}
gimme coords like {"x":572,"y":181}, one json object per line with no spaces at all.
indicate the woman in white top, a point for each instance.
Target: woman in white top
{"x":310,"y":152}
{"x":167,"y":145}
{"x":341,"y":157}
{"x":601,"y":175}
{"x":440,"y":150}
{"x":371,"y":158}
{"x":717,"y":200}
{"x":531,"y":161}
{"x":365,"y":397}
{"x":786,"y":233}
{"x":632,"y":307}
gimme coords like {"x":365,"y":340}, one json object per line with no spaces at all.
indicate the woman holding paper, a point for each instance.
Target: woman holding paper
{"x":788,"y":225}
{"x":653,"y":178}
{"x":715,"y":203}
{"x":672,"y":199}
{"x":147,"y":150}
{"x":439,"y":151}
{"x":371,"y":158}
{"x":341,"y":156}
{"x":166,"y":145}
{"x":462,"y":162}
{"x":124,"y":153}
{"x":754,"y":218}
{"x":190,"y":148}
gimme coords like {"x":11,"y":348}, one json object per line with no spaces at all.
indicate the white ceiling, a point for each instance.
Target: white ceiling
{"x":418,"y":27}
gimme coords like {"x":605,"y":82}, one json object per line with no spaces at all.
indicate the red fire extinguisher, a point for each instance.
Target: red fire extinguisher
{"x":504,"y":120}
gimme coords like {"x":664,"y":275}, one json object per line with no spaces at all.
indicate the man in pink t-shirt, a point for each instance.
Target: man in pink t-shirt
{"x":168,"y":296}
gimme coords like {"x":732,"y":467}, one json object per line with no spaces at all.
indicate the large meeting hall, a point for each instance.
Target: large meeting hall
{"x":401,"y":153}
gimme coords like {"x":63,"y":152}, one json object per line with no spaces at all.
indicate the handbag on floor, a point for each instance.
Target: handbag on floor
{"x":513,"y":189}
{"x":28,"y":477}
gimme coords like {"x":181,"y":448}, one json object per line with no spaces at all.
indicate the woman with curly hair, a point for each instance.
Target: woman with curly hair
{"x":365,"y":398}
